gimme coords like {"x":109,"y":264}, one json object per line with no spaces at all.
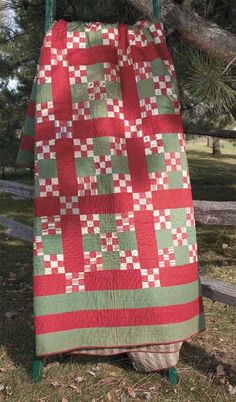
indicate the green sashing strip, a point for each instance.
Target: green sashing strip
{"x":97,"y":300}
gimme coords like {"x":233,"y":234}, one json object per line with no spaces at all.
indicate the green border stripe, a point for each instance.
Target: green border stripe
{"x":63,"y":341}
{"x":98,"y":300}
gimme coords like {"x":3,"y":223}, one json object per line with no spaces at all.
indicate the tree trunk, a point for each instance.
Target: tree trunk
{"x":3,"y":172}
{"x":200,"y":32}
{"x":216,"y":146}
{"x":209,"y":142}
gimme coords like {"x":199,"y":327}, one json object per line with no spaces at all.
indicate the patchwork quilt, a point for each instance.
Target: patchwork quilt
{"x":115,"y":259}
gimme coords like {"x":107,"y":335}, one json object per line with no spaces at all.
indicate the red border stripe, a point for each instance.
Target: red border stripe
{"x":117,"y":317}
{"x":179,"y":275}
{"x":46,"y":285}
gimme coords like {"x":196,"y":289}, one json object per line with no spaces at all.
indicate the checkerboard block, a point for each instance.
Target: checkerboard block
{"x":109,"y":242}
{"x":159,"y":181}
{"x":115,"y":108}
{"x":59,"y":57}
{"x":74,"y":282}
{"x":90,"y":223}
{"x":150,"y":278}
{"x":122,"y":183}
{"x":43,"y":75}
{"x":93,"y":26}
{"x":142,"y":70}
{"x":44,"y":112}
{"x":78,"y":74}
{"x":76,"y":40}
{"x":97,"y":90}
{"x":37,"y":246}
{"x":49,"y":187}
{"x":53,"y":264}
{"x":93,"y":261}
{"x":162,"y":85}
{"x":153,"y":144}
{"x":81,"y":111}
{"x":69,"y":205}
{"x":129,"y":259}
{"x":162,"y":219}
{"x":51,"y":225}
{"x":87,"y":185}
{"x":149,"y":107}
{"x":193,"y":253}
{"x":111,"y":72}
{"x":45,"y":150}
{"x":118,"y":146}
{"x":166,"y":257}
{"x":125,"y":221}
{"x":63,"y":129}
{"x":143,"y":201}
{"x":125,"y":57}
{"x":157,"y":33}
{"x":133,"y":129}
{"x":110,"y":37}
{"x":137,"y":38}
{"x":83,"y":147}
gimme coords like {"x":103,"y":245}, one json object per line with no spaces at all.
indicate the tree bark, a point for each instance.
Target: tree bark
{"x":200,"y":32}
{"x":216,"y":147}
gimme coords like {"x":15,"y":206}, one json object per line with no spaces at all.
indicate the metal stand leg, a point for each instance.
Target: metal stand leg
{"x":37,"y":369}
{"x":173,"y":376}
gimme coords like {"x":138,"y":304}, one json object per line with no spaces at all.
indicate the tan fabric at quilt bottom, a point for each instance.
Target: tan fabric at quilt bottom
{"x":144,"y":358}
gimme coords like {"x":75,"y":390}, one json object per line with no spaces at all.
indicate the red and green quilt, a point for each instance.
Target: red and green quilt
{"x":115,"y":257}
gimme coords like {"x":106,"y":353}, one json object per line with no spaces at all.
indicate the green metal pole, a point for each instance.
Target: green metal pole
{"x":156,"y":9}
{"x":50,"y":13}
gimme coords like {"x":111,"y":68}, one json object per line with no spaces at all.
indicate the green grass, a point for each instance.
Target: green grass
{"x":115,"y":379}
{"x":212,"y":178}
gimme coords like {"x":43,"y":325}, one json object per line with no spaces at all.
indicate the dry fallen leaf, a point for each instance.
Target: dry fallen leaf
{"x":73,"y":386}
{"x":2,"y":386}
{"x":64,"y":400}
{"x":52,"y":364}
{"x":131,"y":392}
{"x":79,"y":379}
{"x":12,"y":276}
{"x":225,"y":245}
{"x":10,"y":314}
{"x":109,"y":397}
{"x":97,"y":367}
{"x":55,"y":384}
{"x":91,"y":372}
{"x":220,"y":371}
{"x":232,"y":389}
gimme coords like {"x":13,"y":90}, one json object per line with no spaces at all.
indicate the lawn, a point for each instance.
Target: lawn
{"x":113,"y":379}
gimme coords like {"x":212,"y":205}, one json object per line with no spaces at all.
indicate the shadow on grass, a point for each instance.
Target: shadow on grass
{"x":196,"y":357}
{"x":212,"y":179}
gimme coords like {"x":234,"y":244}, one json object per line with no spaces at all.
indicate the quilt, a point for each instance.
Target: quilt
{"x":115,"y":258}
